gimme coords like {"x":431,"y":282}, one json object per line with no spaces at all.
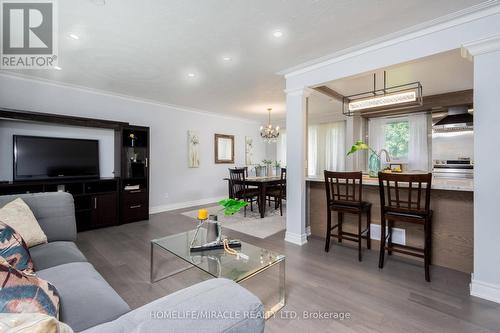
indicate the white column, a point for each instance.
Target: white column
{"x":486,"y":277}
{"x":296,"y":120}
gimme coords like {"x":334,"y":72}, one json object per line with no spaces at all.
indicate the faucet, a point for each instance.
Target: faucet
{"x":387,"y":156}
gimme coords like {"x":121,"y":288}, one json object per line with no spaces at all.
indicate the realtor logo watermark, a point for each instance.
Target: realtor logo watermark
{"x":28,"y":34}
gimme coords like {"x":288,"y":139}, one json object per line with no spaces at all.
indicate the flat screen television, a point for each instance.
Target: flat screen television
{"x":38,"y":158}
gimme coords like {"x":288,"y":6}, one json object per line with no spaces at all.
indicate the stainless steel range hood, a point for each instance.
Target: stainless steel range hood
{"x":457,"y":119}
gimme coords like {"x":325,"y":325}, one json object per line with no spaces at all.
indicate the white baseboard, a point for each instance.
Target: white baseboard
{"x":180,"y":205}
{"x":485,"y":290}
{"x":398,"y":235}
{"x":296,"y":239}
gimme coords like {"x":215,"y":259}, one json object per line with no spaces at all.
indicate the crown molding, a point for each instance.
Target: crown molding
{"x":59,"y":84}
{"x":482,"y":46}
{"x":466,"y":15}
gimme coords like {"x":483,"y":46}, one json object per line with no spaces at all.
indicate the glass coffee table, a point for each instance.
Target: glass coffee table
{"x":263,"y":273}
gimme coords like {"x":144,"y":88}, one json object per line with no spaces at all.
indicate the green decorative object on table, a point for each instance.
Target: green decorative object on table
{"x":232,"y":206}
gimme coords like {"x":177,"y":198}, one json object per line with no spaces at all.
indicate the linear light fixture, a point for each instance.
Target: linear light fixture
{"x":395,"y":97}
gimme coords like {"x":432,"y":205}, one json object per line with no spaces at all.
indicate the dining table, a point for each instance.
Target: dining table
{"x":262,"y":183}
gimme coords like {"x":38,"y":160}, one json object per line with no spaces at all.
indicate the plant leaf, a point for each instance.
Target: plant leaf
{"x":359,"y":145}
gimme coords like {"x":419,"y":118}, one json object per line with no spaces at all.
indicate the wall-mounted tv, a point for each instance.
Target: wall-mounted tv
{"x":38,"y":158}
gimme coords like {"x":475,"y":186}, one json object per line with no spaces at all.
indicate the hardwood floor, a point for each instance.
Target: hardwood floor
{"x":395,"y":299}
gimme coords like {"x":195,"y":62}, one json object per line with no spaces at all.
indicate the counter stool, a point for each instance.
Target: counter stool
{"x":405,"y":198}
{"x":344,"y":195}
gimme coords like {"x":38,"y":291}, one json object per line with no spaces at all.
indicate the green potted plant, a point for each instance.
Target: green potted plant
{"x":374,"y":164}
{"x":277,"y":167}
{"x":268,"y":163}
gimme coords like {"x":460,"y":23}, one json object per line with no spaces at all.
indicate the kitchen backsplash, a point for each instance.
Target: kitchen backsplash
{"x":453,"y":145}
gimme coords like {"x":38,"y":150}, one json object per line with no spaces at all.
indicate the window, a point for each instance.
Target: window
{"x":405,"y":138}
{"x":397,"y":137}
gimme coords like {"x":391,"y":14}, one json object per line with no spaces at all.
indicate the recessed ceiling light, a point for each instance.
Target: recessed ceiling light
{"x":226,"y":58}
{"x":191,"y":75}
{"x":74,"y":36}
{"x":57,"y":68}
{"x":277,"y":33}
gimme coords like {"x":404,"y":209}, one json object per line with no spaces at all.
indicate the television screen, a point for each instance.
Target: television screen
{"x":45,"y":158}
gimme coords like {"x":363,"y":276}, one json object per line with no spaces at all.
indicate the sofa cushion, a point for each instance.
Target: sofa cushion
{"x":14,"y":250}
{"x":56,"y":253}
{"x":222,"y":306}
{"x":54,"y":211}
{"x":31,"y":323}
{"x":19,"y":216}
{"x":86,"y":298}
{"x":26,"y":293}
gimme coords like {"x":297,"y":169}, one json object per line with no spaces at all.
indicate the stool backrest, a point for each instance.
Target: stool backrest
{"x":343,"y":188}
{"x":405,"y":193}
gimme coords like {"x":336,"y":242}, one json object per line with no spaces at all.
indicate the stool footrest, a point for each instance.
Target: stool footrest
{"x":348,"y":236}
{"x":405,"y":249}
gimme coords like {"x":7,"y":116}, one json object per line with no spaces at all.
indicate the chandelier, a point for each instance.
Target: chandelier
{"x":269,"y":133}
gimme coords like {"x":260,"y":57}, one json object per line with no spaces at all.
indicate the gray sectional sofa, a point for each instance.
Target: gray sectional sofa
{"x":89,"y":303}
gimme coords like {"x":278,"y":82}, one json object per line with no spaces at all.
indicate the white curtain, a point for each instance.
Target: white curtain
{"x":418,"y":154}
{"x":312,"y":150}
{"x":376,"y":133}
{"x":335,"y":146}
{"x":281,"y":148}
{"x":325,"y":148}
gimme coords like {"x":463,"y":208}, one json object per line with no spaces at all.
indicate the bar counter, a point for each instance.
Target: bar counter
{"x":453,"y":226}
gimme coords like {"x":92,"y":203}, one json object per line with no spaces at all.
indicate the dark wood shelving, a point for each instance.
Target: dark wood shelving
{"x":135,"y":172}
{"x":98,"y":202}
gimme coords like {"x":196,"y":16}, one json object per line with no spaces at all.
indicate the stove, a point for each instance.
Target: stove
{"x":460,"y":168}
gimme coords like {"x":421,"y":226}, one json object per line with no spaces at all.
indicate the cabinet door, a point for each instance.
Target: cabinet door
{"x":104,"y":209}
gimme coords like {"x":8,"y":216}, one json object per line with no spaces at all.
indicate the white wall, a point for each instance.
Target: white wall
{"x":173,"y":184}
{"x":10,"y":128}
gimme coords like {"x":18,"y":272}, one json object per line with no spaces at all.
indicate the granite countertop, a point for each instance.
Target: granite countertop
{"x":437,"y":183}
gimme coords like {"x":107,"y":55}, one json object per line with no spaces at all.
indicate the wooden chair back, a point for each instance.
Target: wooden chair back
{"x":283,"y":183}
{"x":237,"y":180}
{"x":343,"y":188}
{"x":405,"y":193}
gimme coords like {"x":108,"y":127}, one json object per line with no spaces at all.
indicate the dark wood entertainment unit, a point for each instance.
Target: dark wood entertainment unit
{"x":98,"y":202}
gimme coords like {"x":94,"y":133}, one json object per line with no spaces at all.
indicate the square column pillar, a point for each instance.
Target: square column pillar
{"x":486,"y":277}
{"x":296,"y":122}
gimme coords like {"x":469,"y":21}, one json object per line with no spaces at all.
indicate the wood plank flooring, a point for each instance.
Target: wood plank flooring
{"x":395,"y":299}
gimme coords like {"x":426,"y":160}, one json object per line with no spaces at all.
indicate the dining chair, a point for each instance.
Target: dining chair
{"x":344,"y":194}
{"x":240,"y":190}
{"x":277,"y":194}
{"x":405,"y":198}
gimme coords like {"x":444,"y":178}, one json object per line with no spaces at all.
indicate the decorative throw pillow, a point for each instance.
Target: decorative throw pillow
{"x":32,"y":323}
{"x":14,"y":250}
{"x":19,"y":216}
{"x":23,"y":293}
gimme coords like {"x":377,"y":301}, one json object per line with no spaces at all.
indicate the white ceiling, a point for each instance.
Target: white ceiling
{"x":440,"y":73}
{"x":145,"y":49}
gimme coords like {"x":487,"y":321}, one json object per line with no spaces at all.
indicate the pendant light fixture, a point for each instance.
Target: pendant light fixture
{"x":395,"y":97}
{"x":269,"y":133}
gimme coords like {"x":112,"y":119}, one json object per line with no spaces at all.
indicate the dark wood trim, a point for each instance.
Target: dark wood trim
{"x":330,"y":93}
{"x":216,"y":148}
{"x":59,"y":119}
